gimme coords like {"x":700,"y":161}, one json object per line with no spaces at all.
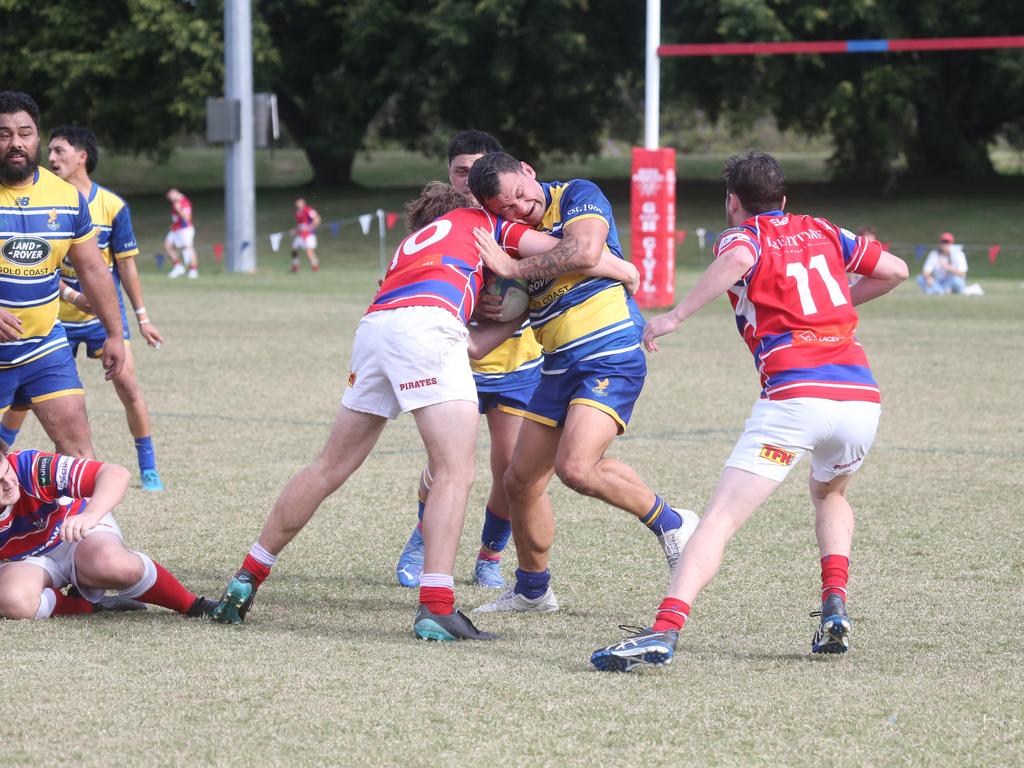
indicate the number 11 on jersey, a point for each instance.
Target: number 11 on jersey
{"x":799,"y":272}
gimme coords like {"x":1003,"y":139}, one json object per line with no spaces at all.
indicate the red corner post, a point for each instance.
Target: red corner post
{"x":653,"y":206}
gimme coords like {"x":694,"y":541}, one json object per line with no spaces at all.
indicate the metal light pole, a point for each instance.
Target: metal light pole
{"x":239,"y":166}
{"x":652,"y":76}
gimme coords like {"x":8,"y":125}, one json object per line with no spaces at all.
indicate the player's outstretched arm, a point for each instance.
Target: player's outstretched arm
{"x":99,"y":288}
{"x":129,"y":275}
{"x":889,"y":272}
{"x":614,"y":268}
{"x":723,"y":273}
{"x":111,"y":484}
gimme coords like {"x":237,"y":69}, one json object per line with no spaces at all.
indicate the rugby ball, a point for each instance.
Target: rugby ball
{"x":515,"y":296}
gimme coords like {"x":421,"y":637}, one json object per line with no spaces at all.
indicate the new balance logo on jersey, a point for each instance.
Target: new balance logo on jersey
{"x":778,"y":455}
{"x":417,"y":384}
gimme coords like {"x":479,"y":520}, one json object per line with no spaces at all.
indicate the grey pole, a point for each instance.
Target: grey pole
{"x":652,"y":76}
{"x":239,"y":163}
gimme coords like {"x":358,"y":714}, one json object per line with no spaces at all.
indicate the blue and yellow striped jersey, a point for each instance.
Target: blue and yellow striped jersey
{"x":572,"y":315}
{"x":38,"y":225}
{"x":116,"y":240}
{"x":520,"y":353}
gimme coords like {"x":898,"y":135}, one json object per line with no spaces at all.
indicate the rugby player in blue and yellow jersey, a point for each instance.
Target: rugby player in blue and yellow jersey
{"x":43,"y":221}
{"x":73,"y":156}
{"x":505,"y":380}
{"x":593,"y":371}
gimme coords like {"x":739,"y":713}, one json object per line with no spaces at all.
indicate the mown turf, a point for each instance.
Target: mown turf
{"x":326,"y":671}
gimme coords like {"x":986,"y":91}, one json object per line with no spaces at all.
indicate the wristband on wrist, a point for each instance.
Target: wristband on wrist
{"x":140,"y":311}
{"x":143,"y":322}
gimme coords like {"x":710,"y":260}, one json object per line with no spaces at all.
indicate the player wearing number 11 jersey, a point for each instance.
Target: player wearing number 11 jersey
{"x":786,"y":276}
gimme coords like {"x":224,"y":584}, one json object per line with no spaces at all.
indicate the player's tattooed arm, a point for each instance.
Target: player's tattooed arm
{"x":579,"y":249}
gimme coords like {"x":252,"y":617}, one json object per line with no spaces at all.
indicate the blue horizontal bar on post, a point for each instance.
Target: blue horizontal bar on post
{"x":867,"y":46}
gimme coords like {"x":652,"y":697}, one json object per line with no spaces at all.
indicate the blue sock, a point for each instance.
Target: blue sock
{"x":532,"y":585}
{"x":496,"y":531}
{"x":8,"y":435}
{"x":662,"y":517}
{"x":144,"y":449}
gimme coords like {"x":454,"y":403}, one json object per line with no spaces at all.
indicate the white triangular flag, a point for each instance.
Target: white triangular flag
{"x":275,"y":241}
{"x":701,"y":234}
{"x":364,"y":222}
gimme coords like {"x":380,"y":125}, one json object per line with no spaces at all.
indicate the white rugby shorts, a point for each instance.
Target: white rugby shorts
{"x":181,"y":238}
{"x":301,"y":242}
{"x":837,"y":433}
{"x":408,"y":358}
{"x":59,"y":563}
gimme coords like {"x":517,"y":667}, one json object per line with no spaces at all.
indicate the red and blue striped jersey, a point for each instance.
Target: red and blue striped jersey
{"x":439,"y":265}
{"x":793,"y":307}
{"x":31,"y":526}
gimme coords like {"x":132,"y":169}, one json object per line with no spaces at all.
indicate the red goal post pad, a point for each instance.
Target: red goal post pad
{"x":653,"y":224}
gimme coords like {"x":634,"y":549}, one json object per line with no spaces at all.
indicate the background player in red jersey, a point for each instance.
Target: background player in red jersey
{"x":306,"y":222}
{"x":56,"y":529}
{"x":180,"y":240}
{"x":785,"y":275}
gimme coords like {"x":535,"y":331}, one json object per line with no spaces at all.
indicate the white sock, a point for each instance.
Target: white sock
{"x":437,"y":580}
{"x":47,"y":602}
{"x":262,"y":556}
{"x":143,"y":585}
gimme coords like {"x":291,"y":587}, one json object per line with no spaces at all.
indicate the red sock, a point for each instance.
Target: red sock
{"x":439,"y":600}
{"x":168,"y":592}
{"x":258,"y":570}
{"x":70,"y":606}
{"x":672,"y":614}
{"x":835,"y":572}
{"x":483,"y":554}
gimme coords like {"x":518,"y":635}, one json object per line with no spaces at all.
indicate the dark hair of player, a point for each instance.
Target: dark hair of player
{"x":81,"y":139}
{"x":485,"y":175}
{"x":472,"y":143}
{"x":436,"y":199}
{"x":16,"y":101}
{"x":756,"y":178}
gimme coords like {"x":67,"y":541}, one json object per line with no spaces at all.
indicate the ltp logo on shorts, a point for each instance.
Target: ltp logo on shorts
{"x":776,"y":454}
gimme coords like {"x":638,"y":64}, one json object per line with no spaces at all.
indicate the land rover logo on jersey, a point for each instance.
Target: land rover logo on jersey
{"x":25,"y":250}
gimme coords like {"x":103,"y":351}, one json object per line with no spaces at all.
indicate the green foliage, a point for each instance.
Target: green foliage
{"x":135,"y":71}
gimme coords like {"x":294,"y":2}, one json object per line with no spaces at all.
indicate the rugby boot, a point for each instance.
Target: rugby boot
{"x":454,"y":626}
{"x":645,"y":648}
{"x":833,"y":633}
{"x":237,"y":599}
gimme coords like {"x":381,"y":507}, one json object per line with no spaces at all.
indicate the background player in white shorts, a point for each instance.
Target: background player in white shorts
{"x":307,"y":220}
{"x":785,"y":275}
{"x":180,"y":240}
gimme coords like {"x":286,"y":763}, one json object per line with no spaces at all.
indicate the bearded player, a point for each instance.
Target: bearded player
{"x":786,"y":276}
{"x":73,"y":156}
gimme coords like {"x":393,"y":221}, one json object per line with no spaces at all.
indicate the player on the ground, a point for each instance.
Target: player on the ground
{"x":505,"y":380}
{"x":307,"y":220}
{"x":785,"y":275}
{"x":73,"y":156}
{"x":46,"y":220}
{"x":180,"y":240}
{"x":57,"y":529}
{"x":592,"y":374}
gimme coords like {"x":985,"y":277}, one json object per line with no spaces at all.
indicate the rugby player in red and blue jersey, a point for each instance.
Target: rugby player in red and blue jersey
{"x":57,"y":530}
{"x":786,"y":276}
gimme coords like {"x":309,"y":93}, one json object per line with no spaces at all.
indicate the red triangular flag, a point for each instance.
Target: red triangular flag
{"x":218,"y":251}
{"x":993,"y":252}
{"x":681,"y":236}
{"x":391,"y":219}
{"x":885,"y":246}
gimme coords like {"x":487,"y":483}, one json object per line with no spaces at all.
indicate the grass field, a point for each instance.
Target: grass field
{"x":326,"y":671}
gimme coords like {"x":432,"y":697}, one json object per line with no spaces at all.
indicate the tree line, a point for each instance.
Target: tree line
{"x":544,"y":75}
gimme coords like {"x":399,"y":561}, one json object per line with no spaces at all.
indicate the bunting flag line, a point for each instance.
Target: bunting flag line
{"x":919,"y":251}
{"x":275,"y":241}
{"x":391,"y":219}
{"x":365,"y":220}
{"x":993,"y":253}
{"x":218,"y":251}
